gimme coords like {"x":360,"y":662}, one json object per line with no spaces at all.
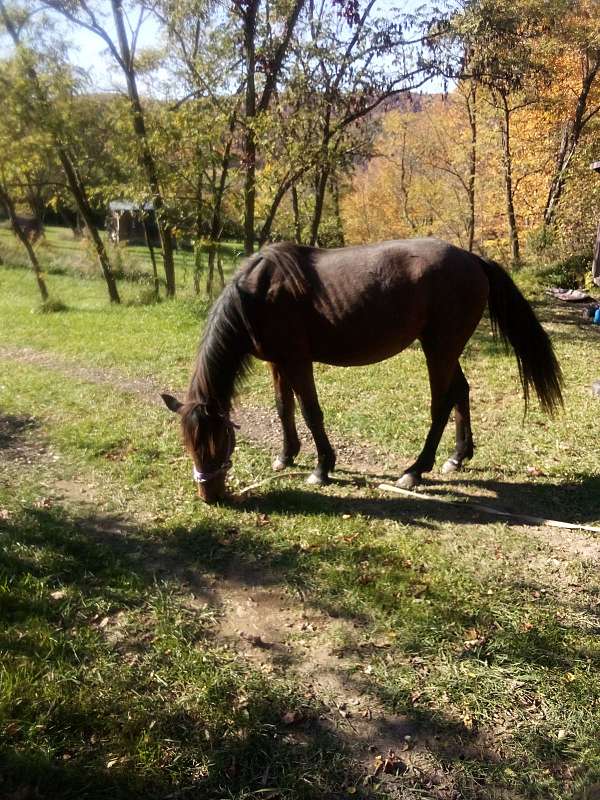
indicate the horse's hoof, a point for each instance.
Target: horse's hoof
{"x":408,"y":481}
{"x":280,"y":463}
{"x":452,"y":465}
{"x":314,"y":479}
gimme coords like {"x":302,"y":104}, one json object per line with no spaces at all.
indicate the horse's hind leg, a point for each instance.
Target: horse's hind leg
{"x":284,"y":400}
{"x":302,"y":381}
{"x":446,"y":381}
{"x":464,"y":435}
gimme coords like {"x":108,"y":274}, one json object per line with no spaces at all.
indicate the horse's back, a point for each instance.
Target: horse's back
{"x":358,"y":305}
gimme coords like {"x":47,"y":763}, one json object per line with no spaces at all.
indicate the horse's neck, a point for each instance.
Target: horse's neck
{"x":222,"y":361}
{"x":208,"y":384}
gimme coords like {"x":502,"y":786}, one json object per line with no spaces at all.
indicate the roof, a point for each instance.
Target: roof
{"x":128,"y":205}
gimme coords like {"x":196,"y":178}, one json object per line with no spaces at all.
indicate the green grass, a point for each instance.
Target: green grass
{"x":115,"y":678}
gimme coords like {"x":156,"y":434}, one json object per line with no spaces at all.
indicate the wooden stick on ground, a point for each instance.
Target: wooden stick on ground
{"x":551,"y":523}
{"x":279,"y":477}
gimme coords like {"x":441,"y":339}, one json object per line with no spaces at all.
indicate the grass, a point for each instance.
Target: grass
{"x":477,"y":638}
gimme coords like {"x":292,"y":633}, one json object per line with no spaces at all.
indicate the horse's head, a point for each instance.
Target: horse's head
{"x":209,"y":437}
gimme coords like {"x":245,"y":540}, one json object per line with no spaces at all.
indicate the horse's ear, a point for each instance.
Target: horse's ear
{"x":172,"y":403}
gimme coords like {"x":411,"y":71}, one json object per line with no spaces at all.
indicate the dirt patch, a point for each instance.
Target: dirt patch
{"x":20,"y":439}
{"x":105,"y":375}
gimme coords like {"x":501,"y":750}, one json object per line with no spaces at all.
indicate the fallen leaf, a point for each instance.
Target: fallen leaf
{"x":44,"y":502}
{"x":12,"y":728}
{"x":535,"y":472}
{"x":256,"y":641}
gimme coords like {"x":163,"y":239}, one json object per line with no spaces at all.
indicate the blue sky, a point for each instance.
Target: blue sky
{"x":89,"y":51}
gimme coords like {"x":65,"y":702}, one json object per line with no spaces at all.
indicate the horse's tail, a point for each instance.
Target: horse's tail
{"x":514,"y":320}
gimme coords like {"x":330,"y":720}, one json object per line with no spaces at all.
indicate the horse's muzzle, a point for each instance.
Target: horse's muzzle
{"x":212,"y":491}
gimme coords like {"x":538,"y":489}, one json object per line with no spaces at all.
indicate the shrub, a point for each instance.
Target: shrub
{"x":570,"y":273}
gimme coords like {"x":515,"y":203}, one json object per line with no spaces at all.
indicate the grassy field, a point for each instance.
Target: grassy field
{"x":303,"y":643}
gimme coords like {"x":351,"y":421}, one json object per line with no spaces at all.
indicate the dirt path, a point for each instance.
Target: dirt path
{"x":258,"y":425}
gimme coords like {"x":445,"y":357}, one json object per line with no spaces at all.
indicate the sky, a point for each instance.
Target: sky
{"x":89,"y":52}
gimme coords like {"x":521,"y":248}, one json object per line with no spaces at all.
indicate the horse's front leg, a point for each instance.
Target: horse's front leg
{"x":284,"y":401}
{"x":302,"y":380}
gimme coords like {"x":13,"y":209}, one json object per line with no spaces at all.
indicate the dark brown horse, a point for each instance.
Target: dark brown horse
{"x":292,"y":305}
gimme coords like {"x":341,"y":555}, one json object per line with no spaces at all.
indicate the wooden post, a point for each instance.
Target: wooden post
{"x":596,"y":262}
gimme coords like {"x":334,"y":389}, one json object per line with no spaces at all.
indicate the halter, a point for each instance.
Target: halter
{"x":205,"y":477}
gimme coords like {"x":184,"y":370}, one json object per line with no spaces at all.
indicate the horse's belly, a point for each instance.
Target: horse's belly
{"x":362,"y":345}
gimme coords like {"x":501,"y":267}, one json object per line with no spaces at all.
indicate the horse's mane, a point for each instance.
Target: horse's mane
{"x":224,"y":353}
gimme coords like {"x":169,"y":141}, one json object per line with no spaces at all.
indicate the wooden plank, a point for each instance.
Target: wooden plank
{"x":596,"y":261}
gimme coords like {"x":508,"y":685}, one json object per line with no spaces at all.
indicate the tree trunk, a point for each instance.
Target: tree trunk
{"x":296,"y":210}
{"x":152,"y":257}
{"x":335,"y":193}
{"x":77,"y":189}
{"x":216,"y":224}
{"x":70,"y":222}
{"x":513,"y":232}
{"x":250,"y":137}
{"x":596,"y":261}
{"x":472,"y":112}
{"x":571,"y":136}
{"x":146,"y":157}
{"x":7,"y":202}
{"x":320,"y":187}
{"x":265,"y":231}
{"x":212,"y":257}
{"x":198,"y":265}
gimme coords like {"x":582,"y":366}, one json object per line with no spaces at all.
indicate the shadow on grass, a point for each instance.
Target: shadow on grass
{"x":114,"y":731}
{"x":576,"y":500}
{"x":138,"y":738}
{"x":13,"y":429}
{"x":86,"y":717}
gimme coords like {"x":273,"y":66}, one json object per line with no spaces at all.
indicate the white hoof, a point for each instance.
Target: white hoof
{"x":451,"y":466}
{"x":408,"y":481}
{"x":314,"y":480}
{"x":279,"y":464}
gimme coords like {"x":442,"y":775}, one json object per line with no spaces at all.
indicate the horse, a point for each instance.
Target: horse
{"x":292,"y":305}
{"x":31,"y":227}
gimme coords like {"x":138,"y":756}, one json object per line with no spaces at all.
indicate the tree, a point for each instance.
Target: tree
{"x":9,"y":206}
{"x":42,"y":102}
{"x":268,"y":55}
{"x":573,"y":54}
{"x":123,"y":50}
